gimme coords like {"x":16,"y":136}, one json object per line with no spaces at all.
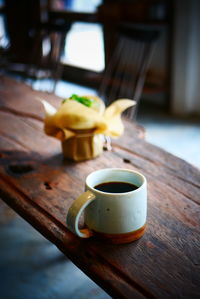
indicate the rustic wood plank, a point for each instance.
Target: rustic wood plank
{"x":40,"y":185}
{"x":12,"y":92}
{"x":27,"y":133}
{"x":166,"y":236}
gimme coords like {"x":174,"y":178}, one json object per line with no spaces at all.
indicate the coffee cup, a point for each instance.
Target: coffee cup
{"x":114,"y":206}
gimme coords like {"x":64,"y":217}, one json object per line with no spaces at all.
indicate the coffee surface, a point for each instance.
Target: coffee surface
{"x":116,"y":187}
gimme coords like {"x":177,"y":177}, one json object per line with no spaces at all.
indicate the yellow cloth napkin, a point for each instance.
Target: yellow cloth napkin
{"x":72,"y":116}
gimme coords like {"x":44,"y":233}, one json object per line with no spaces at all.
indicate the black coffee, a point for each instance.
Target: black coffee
{"x":116,"y":187}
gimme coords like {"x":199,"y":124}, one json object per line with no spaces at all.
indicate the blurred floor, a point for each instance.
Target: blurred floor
{"x":179,"y":136}
{"x":30,"y":266}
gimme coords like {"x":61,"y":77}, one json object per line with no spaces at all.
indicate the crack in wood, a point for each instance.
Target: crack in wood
{"x":14,"y":140}
{"x":31,"y":124}
{"x":19,"y":113}
{"x":47,"y":186}
{"x":20,"y":169}
{"x":9,"y":183}
{"x":186,"y":195}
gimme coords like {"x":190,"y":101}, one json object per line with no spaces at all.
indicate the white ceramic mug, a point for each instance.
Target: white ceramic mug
{"x":119,"y":217}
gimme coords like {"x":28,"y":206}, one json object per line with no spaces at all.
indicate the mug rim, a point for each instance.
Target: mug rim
{"x":116,"y":169}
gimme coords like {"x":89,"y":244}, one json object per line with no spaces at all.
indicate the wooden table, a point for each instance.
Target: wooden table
{"x":38,"y":184}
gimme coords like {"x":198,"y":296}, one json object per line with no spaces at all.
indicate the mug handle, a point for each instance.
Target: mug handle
{"x":74,"y":214}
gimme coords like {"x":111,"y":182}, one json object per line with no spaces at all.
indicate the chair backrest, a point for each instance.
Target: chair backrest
{"x":21,"y":18}
{"x":125,"y":74}
{"x":36,"y":42}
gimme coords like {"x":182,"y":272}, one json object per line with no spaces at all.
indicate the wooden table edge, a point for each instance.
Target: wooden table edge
{"x":65,"y":241}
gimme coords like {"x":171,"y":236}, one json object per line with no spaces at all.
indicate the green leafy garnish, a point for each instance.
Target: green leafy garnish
{"x":83,"y":100}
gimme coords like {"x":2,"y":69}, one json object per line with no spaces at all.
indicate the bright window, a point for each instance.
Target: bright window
{"x":84,"y":47}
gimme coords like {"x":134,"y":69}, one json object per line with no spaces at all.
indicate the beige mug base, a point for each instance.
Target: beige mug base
{"x":118,"y":238}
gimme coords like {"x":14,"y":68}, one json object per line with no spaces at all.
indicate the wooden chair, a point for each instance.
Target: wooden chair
{"x":36,"y":41}
{"x":126,"y":71}
{"x":47,"y":52}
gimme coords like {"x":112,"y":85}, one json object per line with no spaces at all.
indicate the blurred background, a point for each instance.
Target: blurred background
{"x":147,"y":50}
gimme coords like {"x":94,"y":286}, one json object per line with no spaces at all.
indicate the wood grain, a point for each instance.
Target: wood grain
{"x":40,"y":185}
